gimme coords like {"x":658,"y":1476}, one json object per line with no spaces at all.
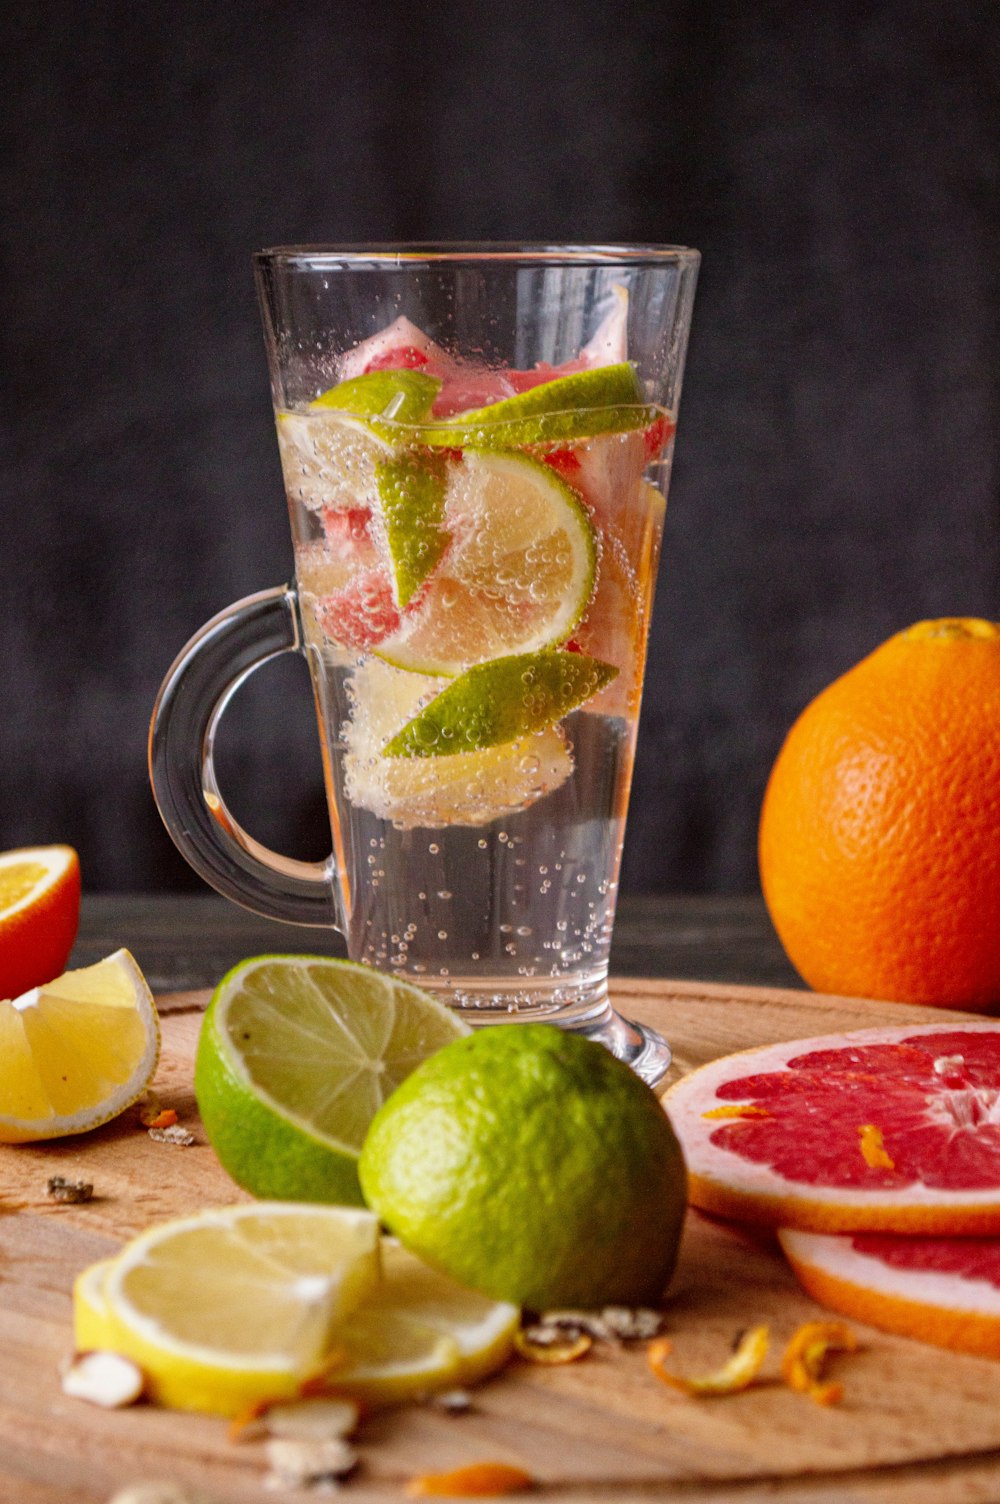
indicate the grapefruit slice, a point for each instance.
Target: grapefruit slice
{"x":945,"y":1291}
{"x":879,"y":1130}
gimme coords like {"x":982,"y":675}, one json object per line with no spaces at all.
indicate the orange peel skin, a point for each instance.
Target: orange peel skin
{"x":566,"y":1350}
{"x":802,"y":1363}
{"x":477,"y":1480}
{"x":737,"y":1373}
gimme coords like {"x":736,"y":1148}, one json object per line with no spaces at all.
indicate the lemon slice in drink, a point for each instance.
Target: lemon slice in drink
{"x":470,"y":788}
{"x":231,"y":1305}
{"x":295,"y":1055}
{"x":76,"y":1052}
{"x":418,"y":1330}
{"x":517,"y":575}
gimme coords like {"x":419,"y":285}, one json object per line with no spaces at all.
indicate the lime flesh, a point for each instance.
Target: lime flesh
{"x":296,"y":1054}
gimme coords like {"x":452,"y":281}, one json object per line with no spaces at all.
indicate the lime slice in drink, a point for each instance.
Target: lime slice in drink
{"x":295,"y":1055}
{"x":411,"y":496}
{"x":469,"y":788}
{"x":395,"y":396}
{"x":605,"y":399}
{"x":518,"y":573}
{"x":498,"y":702}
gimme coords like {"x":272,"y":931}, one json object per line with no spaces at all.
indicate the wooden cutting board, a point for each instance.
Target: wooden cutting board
{"x":916,"y":1424}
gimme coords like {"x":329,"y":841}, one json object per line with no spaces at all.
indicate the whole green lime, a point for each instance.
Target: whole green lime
{"x":530,"y":1164}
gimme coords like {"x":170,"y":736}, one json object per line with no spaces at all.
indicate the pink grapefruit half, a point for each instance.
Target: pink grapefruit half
{"x":879,"y":1130}
{"x":941,"y":1290}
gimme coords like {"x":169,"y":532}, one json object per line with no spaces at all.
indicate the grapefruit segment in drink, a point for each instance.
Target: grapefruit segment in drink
{"x":945,"y":1291}
{"x":890,"y":1129}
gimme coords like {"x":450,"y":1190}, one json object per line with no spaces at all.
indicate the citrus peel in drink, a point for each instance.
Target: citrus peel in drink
{"x":39,"y":915}
{"x":77,"y":1051}
{"x":889,"y":1129}
{"x":879,"y":840}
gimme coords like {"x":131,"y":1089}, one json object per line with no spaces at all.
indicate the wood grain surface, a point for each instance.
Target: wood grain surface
{"x":916,"y":1424}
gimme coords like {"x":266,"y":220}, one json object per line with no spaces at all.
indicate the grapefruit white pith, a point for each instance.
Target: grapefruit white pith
{"x":945,"y":1291}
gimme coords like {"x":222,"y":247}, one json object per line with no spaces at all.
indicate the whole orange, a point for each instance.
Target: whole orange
{"x":880,"y":830}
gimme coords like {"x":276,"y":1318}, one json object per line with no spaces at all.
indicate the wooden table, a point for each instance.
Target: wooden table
{"x":917,"y":1426}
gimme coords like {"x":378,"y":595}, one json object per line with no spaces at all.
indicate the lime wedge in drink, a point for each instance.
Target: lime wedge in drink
{"x":411,"y":496}
{"x":518,"y":574}
{"x":495,"y":703}
{"x":469,"y":788}
{"x":605,"y":399}
{"x":394,"y":396}
{"x":295,"y":1055}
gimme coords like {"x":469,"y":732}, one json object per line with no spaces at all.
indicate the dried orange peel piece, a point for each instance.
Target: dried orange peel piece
{"x":737,"y":1373}
{"x":478,"y":1480}
{"x":565,"y":1347}
{"x":802,"y":1363}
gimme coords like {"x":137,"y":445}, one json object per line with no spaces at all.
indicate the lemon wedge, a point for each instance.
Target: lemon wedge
{"x":76,"y":1052}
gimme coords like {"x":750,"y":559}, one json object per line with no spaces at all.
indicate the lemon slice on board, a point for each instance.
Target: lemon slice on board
{"x":518,"y":573}
{"x":418,"y":1330}
{"x":231,"y":1305}
{"x":403,"y":1328}
{"x":76,"y":1052}
{"x":295,"y":1055}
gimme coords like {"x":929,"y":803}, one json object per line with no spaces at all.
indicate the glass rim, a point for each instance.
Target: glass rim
{"x":397,"y":255}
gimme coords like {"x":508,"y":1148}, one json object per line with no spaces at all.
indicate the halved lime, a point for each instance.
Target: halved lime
{"x":498,"y":702}
{"x":470,"y":788}
{"x":605,"y":399}
{"x":518,"y":574}
{"x":296,"y":1053}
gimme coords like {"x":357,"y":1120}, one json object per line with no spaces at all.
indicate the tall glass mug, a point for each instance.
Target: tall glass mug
{"x":476,"y":443}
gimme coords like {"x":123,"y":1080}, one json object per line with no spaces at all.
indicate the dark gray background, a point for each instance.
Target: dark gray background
{"x":837,"y":462}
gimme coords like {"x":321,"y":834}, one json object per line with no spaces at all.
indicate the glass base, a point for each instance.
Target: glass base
{"x":579,"y":1005}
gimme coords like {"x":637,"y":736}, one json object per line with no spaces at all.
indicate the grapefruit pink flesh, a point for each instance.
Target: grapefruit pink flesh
{"x":941,"y":1290}
{"x":893,"y":1129}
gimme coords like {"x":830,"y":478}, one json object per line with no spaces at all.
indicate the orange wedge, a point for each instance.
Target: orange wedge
{"x":39,"y":914}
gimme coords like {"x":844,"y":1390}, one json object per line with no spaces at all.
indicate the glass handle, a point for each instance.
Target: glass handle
{"x":189,"y":707}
